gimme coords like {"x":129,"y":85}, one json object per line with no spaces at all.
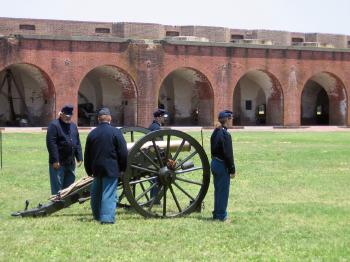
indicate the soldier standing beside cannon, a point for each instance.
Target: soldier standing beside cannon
{"x":159,"y":118}
{"x":105,"y":159}
{"x":63,"y":145}
{"x":222,"y":165}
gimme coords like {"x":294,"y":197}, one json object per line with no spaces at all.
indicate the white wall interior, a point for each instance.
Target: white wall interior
{"x":255,"y":86}
{"x":180,"y":94}
{"x":309,"y":99}
{"x":106,"y":86}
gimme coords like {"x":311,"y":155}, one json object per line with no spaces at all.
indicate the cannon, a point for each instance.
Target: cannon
{"x":170,"y":160}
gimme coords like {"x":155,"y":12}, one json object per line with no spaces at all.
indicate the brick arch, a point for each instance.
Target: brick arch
{"x":272,"y":75}
{"x":339,"y":79}
{"x":126,"y":113}
{"x":336,"y":91}
{"x":205,"y":113}
{"x":208,"y":76}
{"x":47,"y":88}
{"x":274,"y":99}
{"x":118,"y":68}
{"x":41,"y":70}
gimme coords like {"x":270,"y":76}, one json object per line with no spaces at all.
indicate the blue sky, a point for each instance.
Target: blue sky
{"x":290,"y":15}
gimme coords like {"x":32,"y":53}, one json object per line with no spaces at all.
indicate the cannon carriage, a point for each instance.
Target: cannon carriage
{"x":170,"y":161}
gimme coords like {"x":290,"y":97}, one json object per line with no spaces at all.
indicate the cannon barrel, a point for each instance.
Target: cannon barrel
{"x":174,"y":145}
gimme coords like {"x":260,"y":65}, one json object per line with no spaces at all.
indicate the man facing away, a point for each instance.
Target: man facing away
{"x":63,"y":145}
{"x":222,"y":165}
{"x":105,"y":159}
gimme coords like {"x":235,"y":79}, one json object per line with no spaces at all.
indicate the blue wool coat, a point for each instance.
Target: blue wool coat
{"x":63,"y":143}
{"x":105,"y":152}
{"x":221,"y":148}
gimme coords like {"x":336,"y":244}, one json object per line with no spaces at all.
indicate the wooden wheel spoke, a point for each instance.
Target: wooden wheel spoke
{"x":145,"y":169}
{"x":175,"y":198}
{"x":144,"y":193}
{"x":188,"y":170}
{"x":183,"y":191}
{"x":189,"y":181}
{"x":157,"y":153}
{"x":134,"y":190}
{"x":156,"y":198}
{"x":186,"y":159}
{"x":167,"y":147}
{"x":142,"y":180}
{"x":121,"y":196}
{"x":149,"y":158}
{"x":179,"y":149}
{"x":164,"y":200}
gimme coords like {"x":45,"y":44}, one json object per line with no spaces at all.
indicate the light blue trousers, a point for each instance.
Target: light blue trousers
{"x":104,"y":198}
{"x":61,"y":178}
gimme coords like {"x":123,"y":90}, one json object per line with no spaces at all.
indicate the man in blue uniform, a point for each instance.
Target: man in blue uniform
{"x":105,"y":158}
{"x":222,"y":165}
{"x":159,"y":118}
{"x":63,"y":145}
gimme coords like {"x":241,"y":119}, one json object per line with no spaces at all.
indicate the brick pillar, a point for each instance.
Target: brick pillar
{"x":206,"y":97}
{"x":337,"y":105}
{"x":147,"y":99}
{"x":64,"y":98}
{"x":292,"y":107}
{"x":223,"y":90}
{"x":66,"y":86}
{"x":147,"y":68}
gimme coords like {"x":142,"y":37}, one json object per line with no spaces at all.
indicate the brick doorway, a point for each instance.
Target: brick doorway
{"x":323,"y":101}
{"x":258,"y":100}
{"x":107,"y":86}
{"x":188,"y":96}
{"x":27,"y":96}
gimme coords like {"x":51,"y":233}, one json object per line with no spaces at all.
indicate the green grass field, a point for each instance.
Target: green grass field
{"x":290,"y":201}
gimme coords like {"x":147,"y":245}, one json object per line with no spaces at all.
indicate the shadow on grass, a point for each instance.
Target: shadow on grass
{"x":128,"y":214}
{"x":72,"y":215}
{"x":210,"y":219}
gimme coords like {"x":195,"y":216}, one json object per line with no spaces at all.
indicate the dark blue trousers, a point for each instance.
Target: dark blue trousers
{"x":155,"y":190}
{"x":221,"y":188}
{"x":104,"y":198}
{"x":61,"y":178}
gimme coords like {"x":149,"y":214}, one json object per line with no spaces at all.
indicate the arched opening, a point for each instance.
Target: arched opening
{"x":27,"y":97}
{"x":258,"y":100}
{"x":188,"y":97}
{"x":107,"y":86}
{"x":323,"y":101}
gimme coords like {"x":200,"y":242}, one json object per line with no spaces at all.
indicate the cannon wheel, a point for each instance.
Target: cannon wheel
{"x":130,"y":133}
{"x":180,"y":190}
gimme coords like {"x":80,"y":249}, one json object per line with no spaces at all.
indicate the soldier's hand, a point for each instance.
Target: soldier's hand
{"x":79,"y":163}
{"x":56,"y":165}
{"x":232,"y":175}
